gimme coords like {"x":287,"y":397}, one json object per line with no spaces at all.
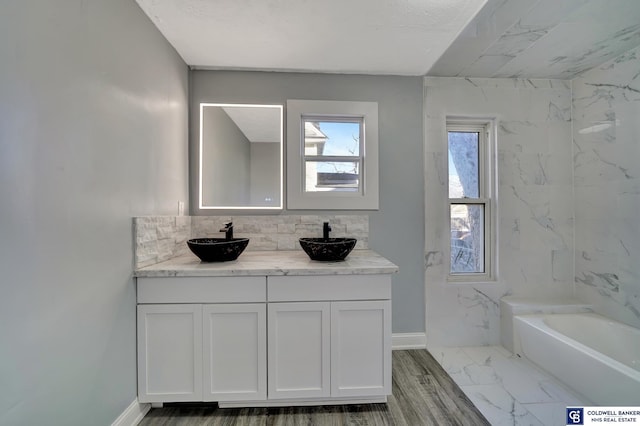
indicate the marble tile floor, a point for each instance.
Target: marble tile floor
{"x":508,"y":390}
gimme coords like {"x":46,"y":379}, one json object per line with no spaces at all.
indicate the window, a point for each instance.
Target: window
{"x":470,"y":218}
{"x":332,"y":155}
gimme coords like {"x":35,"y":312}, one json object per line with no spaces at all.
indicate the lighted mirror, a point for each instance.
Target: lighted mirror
{"x":240,"y":156}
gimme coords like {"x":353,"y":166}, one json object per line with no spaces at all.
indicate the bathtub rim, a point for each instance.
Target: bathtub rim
{"x":537,"y":321}
{"x":511,"y":306}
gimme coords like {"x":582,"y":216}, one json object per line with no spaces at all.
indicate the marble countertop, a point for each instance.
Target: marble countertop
{"x":270,"y":263}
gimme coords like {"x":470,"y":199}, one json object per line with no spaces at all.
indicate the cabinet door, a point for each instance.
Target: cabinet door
{"x":169,"y":353}
{"x":360,"y":348}
{"x":299,"y":339}
{"x":235,"y":352}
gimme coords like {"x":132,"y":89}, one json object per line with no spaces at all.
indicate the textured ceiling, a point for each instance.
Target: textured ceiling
{"x":453,"y":38}
{"x":403,"y":37}
{"x":542,"y":38}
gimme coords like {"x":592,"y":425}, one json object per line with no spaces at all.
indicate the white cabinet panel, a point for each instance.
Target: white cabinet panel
{"x":235,"y":352}
{"x":299,"y":350}
{"x":169,"y":353}
{"x":202,"y":290}
{"x":328,"y":287}
{"x":360,"y":348}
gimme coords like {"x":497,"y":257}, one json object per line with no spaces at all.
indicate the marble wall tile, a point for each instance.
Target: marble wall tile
{"x":463,"y":314}
{"x":606,"y":104}
{"x":534,"y":201}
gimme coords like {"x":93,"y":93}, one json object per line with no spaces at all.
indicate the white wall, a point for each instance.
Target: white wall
{"x":534,"y":201}
{"x":93,"y":131}
{"x":606,"y":150}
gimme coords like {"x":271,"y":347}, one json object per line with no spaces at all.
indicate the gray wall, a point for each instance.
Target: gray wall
{"x":397,"y":228}
{"x":93,"y":119}
{"x":226,"y":154}
{"x":265,"y":169}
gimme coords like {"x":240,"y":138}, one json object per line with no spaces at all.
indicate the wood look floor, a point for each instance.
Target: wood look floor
{"x":423,"y":394}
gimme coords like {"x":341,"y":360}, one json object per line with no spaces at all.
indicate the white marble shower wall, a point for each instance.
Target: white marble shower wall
{"x":606,"y":151}
{"x":534,"y":200}
{"x":159,"y":238}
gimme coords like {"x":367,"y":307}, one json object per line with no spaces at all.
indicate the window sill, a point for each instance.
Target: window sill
{"x":479,"y":281}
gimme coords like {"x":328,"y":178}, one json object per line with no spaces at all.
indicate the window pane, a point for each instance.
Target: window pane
{"x":332,"y":176}
{"x":467,"y":238}
{"x":464,"y":169}
{"x":341,"y":138}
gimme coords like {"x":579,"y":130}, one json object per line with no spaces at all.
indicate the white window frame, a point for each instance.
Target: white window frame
{"x":486,"y":197}
{"x":366,"y":198}
{"x":334,"y":158}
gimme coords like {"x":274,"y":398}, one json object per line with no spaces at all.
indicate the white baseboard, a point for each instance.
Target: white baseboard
{"x":132,"y":415}
{"x":401,"y":341}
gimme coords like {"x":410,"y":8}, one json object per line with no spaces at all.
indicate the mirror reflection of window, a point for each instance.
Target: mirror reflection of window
{"x":333,"y":154}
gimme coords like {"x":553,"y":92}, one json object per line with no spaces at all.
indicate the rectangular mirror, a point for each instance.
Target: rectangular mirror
{"x":240,"y":156}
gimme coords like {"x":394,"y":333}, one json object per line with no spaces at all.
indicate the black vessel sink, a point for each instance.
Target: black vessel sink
{"x":217,"y":249}
{"x":328,"y":249}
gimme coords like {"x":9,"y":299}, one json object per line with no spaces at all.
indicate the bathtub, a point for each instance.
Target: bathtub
{"x":596,"y":356}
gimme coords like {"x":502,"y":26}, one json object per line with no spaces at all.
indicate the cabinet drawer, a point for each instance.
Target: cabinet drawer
{"x":328,"y":287}
{"x":202,"y":290}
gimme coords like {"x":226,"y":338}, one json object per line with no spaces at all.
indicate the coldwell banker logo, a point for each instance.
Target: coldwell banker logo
{"x":575,"y":416}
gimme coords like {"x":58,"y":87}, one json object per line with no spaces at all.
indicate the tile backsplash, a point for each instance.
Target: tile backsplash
{"x":159,"y":238}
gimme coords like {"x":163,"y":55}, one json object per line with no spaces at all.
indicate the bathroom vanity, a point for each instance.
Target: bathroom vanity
{"x":270,"y":329}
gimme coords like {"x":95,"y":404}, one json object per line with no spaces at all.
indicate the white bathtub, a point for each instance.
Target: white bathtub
{"x":597,"y":357}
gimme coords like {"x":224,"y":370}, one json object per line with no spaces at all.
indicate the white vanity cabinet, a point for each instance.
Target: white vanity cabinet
{"x":299,"y":350}
{"x":329,"y":336}
{"x":195,"y":351}
{"x":265,"y":340}
{"x":169,"y":353}
{"x":361,"y":348}
{"x":234,"y":352}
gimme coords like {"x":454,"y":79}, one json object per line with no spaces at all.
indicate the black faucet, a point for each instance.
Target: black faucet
{"x":325,"y":230}
{"x":228,"y":230}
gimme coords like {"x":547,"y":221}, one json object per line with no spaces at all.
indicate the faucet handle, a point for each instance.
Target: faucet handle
{"x":228,"y":230}
{"x":325,"y":230}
